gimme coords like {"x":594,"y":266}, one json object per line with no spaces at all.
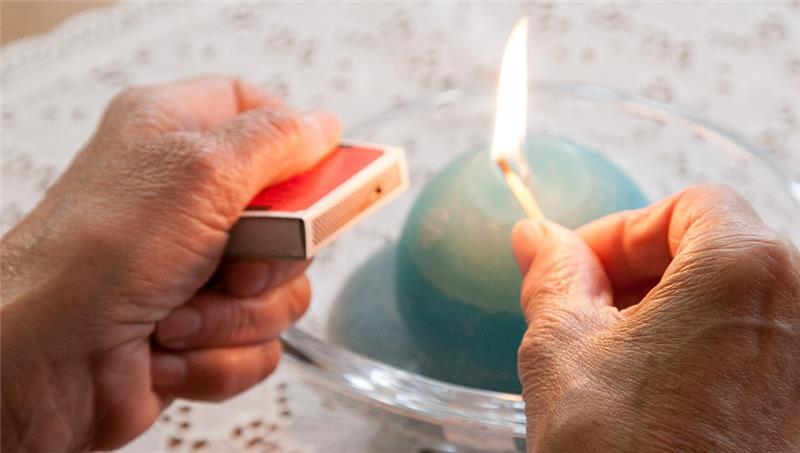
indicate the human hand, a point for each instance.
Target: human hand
{"x":106,"y":314}
{"x":671,"y":328}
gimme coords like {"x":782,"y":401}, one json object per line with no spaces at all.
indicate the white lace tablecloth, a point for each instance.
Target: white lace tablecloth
{"x":737,"y":64}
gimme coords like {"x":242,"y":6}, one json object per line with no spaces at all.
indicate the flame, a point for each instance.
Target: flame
{"x":512,"y":99}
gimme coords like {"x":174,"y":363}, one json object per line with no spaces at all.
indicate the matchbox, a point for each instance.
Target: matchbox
{"x":294,"y":219}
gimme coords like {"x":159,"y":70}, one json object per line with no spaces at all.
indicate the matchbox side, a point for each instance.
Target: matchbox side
{"x":369,"y":190}
{"x":265,"y":233}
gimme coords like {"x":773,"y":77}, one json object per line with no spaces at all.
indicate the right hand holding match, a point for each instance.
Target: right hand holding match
{"x":671,"y":328}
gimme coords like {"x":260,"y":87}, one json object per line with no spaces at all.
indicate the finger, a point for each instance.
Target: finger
{"x":561,"y":272}
{"x":636,"y":247}
{"x":218,"y":319}
{"x":248,"y":278}
{"x":268,"y":145}
{"x":191,"y":104}
{"x":213,"y":374}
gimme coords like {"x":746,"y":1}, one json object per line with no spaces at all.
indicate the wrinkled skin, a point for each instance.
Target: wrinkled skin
{"x":706,"y":356}
{"x":107,"y":315}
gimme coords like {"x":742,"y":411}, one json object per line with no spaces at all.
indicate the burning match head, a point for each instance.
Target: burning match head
{"x":511,"y":117}
{"x":520,"y":191}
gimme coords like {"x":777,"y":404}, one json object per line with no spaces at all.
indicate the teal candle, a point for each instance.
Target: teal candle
{"x":365,"y":319}
{"x":456,"y":280}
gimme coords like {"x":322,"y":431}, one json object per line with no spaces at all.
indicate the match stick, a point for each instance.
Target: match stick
{"x":521,"y":193}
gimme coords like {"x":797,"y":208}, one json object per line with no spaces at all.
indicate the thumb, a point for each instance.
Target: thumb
{"x":270,"y":144}
{"x":560,"y":270}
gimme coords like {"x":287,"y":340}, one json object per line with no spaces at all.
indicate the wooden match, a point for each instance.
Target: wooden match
{"x":521,"y":192}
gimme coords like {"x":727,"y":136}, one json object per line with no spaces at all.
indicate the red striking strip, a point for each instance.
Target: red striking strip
{"x":302,"y":191}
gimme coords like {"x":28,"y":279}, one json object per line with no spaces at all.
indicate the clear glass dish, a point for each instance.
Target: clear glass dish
{"x":662,"y":148}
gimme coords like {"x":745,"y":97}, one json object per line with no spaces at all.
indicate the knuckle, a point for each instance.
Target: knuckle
{"x":757,"y":255}
{"x":532,"y":345}
{"x":535,"y":294}
{"x":147,"y":107}
{"x":131,"y":105}
{"x":131,"y":96}
{"x":194,"y":162}
{"x":547,"y":279}
{"x":163,"y":161}
{"x":203,"y":164}
{"x":544,"y":294}
{"x":777,"y":259}
{"x":774,"y":247}
{"x":554,"y":323}
{"x":717,"y":204}
{"x":286,"y":124}
{"x":538,"y":351}
{"x":717,"y":193}
{"x":192,"y":152}
{"x":149,"y":110}
{"x":755,"y":271}
{"x":189,"y":157}
{"x":282,"y":125}
{"x":548,"y":324}
{"x":182,"y":143}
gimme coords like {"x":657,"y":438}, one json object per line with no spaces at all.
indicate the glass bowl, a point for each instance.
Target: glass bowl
{"x":662,"y":148}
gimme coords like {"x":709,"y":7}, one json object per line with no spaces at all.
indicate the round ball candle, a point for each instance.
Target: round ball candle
{"x":457,"y":284}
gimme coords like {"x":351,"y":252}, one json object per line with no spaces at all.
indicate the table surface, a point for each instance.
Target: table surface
{"x":737,"y":64}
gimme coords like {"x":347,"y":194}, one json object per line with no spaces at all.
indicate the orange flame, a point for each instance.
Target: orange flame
{"x":512,"y":100}
{"x":511,"y":119}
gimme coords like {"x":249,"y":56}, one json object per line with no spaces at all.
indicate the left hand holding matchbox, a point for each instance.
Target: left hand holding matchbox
{"x":294,"y":219}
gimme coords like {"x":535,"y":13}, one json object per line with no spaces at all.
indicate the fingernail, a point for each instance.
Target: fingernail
{"x":326,"y":124}
{"x":179,"y":325}
{"x":169,"y":370}
{"x":526,"y":237}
